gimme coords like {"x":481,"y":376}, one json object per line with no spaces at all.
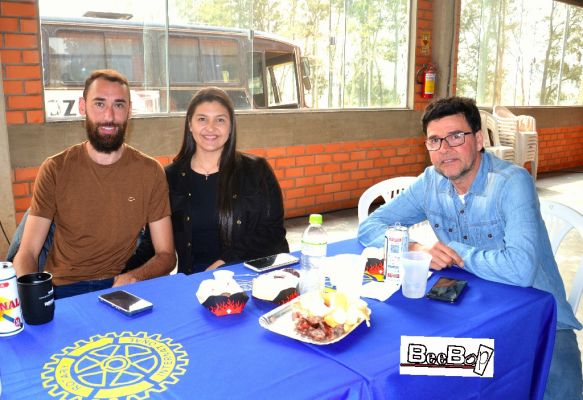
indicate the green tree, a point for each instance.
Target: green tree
{"x":469,"y":48}
{"x":521,"y":52}
{"x":573,"y":71}
{"x":373,"y":26}
{"x":548,"y":87}
{"x":365,"y":67}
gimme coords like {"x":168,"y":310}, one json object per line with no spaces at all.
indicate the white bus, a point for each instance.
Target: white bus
{"x":258,"y":72}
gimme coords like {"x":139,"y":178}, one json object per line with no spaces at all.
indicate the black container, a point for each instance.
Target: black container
{"x":37,"y":298}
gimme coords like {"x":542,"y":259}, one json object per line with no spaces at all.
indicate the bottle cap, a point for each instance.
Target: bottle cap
{"x":316,"y":219}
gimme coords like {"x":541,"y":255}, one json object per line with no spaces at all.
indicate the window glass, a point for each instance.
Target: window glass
{"x":375,"y":54}
{"x":220,"y":60}
{"x":257,"y":80}
{"x":282,"y":87}
{"x":72,"y":55}
{"x":125,"y":54}
{"x":183,"y":57}
{"x":330,"y":54}
{"x":516,"y":52}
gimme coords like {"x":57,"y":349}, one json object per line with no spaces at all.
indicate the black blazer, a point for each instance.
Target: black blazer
{"x":258,"y":223}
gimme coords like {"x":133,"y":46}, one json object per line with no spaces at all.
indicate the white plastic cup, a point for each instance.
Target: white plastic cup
{"x":415,"y":267}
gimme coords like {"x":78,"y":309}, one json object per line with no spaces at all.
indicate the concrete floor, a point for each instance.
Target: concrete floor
{"x":564,"y":187}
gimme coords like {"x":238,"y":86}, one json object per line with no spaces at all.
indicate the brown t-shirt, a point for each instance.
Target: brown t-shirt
{"x":98,"y":210}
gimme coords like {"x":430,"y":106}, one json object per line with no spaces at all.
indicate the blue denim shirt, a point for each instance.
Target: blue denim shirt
{"x":499,"y":231}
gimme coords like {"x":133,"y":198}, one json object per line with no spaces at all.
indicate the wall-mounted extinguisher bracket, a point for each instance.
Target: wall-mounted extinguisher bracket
{"x":426,"y":76}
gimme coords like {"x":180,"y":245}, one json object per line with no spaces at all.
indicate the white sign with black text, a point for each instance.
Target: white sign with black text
{"x":446,"y":356}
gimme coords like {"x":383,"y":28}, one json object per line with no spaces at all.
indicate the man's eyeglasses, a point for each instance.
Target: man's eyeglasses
{"x":453,"y":140}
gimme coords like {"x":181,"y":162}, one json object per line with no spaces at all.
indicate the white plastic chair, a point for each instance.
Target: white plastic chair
{"x":507,"y":126}
{"x":386,"y":189}
{"x":560,"y":220}
{"x":519,"y":132}
{"x":389,"y":189}
{"x":487,"y":128}
{"x":491,"y":138}
{"x":527,"y":146}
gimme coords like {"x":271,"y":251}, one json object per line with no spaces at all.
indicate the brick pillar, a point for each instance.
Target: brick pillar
{"x":424,"y":24}
{"x":21,"y":61}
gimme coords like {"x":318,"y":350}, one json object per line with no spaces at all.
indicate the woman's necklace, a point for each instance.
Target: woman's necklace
{"x":206,"y":172}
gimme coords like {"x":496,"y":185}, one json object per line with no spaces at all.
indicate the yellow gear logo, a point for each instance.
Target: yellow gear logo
{"x":126,"y":366}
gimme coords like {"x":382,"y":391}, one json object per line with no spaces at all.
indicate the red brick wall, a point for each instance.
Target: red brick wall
{"x":560,"y":148}
{"x":21,"y":69}
{"x":313,"y":178}
{"x":326,"y":177}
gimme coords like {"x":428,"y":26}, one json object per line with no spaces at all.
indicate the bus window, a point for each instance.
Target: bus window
{"x":73,"y":55}
{"x":256,"y":85}
{"x":220,"y":61}
{"x":239,"y":98}
{"x":282,"y":83}
{"x":125,"y":54}
{"x":183,"y":60}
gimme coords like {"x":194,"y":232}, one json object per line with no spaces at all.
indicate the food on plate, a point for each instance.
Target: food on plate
{"x":329,"y":315}
{"x":278,"y":286}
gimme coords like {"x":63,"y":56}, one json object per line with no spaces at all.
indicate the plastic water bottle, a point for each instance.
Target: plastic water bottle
{"x":314,"y":246}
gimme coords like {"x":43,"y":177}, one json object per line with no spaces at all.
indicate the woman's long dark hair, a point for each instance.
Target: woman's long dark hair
{"x":229,"y":156}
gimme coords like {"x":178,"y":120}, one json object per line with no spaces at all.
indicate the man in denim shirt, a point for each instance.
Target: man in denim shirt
{"x":486,"y":215}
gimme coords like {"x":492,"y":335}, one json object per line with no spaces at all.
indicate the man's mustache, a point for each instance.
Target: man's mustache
{"x":108,"y":124}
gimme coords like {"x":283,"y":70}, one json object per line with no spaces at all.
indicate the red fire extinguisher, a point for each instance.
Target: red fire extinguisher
{"x":426,"y":76}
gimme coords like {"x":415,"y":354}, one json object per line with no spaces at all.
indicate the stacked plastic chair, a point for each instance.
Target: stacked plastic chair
{"x":519,"y":132}
{"x":528,"y":143}
{"x":492,"y":140}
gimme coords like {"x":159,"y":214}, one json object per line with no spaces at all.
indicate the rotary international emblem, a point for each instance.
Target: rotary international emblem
{"x":120,"y":366}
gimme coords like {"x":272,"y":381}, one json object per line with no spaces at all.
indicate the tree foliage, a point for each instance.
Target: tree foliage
{"x":358,"y":49}
{"x":521,"y":52}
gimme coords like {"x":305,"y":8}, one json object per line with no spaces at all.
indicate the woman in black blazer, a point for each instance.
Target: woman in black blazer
{"x":227,"y":206}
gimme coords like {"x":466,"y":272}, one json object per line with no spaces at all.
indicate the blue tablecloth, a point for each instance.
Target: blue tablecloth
{"x":180,"y":350}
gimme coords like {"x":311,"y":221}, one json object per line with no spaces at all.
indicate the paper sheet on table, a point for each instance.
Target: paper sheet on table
{"x":379,"y":290}
{"x":382,"y":290}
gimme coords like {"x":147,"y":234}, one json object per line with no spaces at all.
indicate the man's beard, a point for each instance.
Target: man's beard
{"x":464,"y":171}
{"x":105,"y":143}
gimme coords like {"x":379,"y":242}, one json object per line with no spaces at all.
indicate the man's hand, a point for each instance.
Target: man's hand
{"x":442,"y":256}
{"x":124,"y":279}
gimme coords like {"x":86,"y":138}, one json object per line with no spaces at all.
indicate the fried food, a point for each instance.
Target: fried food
{"x":327,"y":316}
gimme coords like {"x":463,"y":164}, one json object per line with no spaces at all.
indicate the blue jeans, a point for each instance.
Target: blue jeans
{"x":76,"y":288}
{"x":565,"y":380}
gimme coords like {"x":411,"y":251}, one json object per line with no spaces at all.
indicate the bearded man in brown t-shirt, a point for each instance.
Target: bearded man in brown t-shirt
{"x":100,"y":194}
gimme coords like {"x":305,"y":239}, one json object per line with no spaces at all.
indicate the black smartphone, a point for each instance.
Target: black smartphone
{"x":126,"y":302}
{"x":271,"y":262}
{"x":447,"y":289}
